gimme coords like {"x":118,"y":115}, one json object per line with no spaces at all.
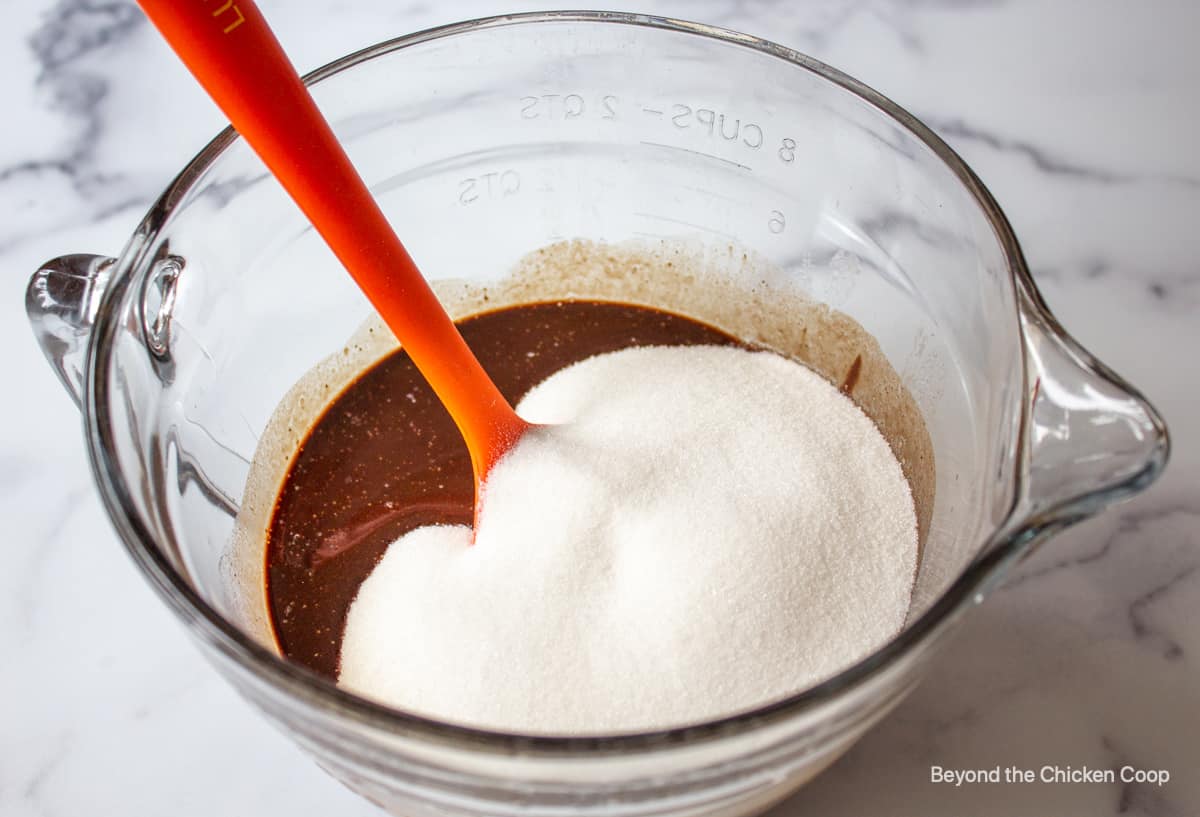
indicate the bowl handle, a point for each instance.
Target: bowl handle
{"x":61,"y":301}
{"x":1091,"y":438}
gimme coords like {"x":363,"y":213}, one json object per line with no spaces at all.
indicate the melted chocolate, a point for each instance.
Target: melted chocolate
{"x":385,"y":458}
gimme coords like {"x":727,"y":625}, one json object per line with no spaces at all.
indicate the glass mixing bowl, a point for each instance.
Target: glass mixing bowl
{"x":488,"y":139}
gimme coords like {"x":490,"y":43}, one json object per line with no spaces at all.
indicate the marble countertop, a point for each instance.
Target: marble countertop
{"x":1084,"y":119}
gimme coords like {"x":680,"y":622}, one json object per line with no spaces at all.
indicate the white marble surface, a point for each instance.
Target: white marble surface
{"x":1083,"y":117}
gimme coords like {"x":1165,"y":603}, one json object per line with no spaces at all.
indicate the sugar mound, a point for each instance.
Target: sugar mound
{"x":697,"y":531}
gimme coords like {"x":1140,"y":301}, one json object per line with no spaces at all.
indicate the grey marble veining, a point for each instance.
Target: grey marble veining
{"x":1082,"y":117}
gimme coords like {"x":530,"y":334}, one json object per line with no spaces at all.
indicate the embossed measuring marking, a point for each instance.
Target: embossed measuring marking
{"x":498,"y":184}
{"x":568,"y":106}
{"x":776,"y":224}
{"x":713,"y":123}
{"x":721,"y":127}
{"x":697,"y":153}
{"x":667,"y":124}
{"x":685,"y":223}
{"x":704,"y":191}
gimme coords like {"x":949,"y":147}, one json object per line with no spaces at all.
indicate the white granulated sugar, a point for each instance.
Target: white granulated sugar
{"x":697,"y":531}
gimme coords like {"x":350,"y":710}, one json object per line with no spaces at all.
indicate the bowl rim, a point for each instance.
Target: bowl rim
{"x":996,"y":552}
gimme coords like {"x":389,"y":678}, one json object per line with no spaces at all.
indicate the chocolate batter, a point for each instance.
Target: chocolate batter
{"x":386,"y":458}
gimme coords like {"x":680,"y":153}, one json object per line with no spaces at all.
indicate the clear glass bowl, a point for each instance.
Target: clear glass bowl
{"x":486,"y":140}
